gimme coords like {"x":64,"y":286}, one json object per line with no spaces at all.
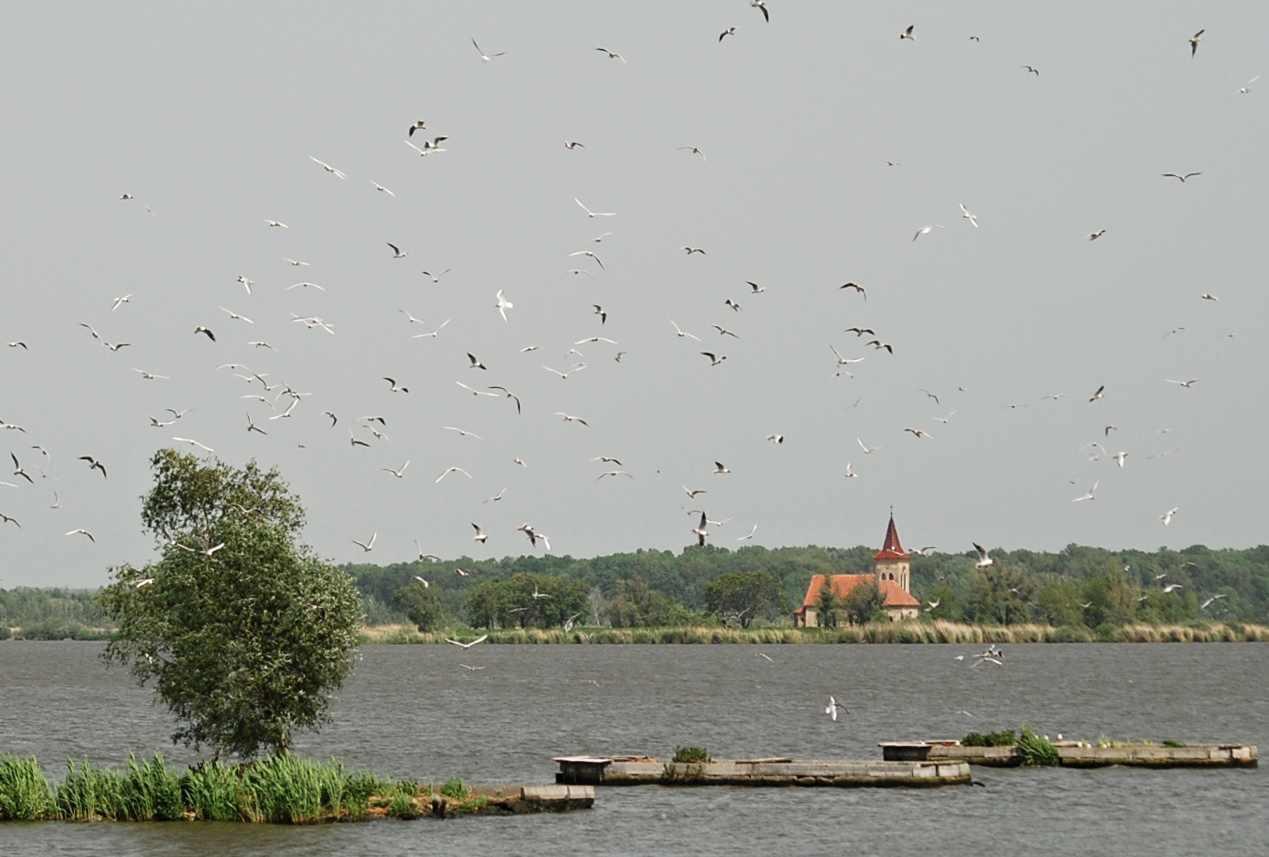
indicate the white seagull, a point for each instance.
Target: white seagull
{"x":590,"y":213}
{"x":339,"y":174}
{"x":486,"y":57}
{"x":451,"y":469}
{"x":366,"y":546}
{"x":984,"y":558}
{"x":462,"y":645}
{"x":832,"y":709}
{"x":966,"y":214}
{"x":503,"y":305}
{"x":1167,"y":516}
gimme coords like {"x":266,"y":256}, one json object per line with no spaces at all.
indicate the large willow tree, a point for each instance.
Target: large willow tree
{"x":243,"y":631}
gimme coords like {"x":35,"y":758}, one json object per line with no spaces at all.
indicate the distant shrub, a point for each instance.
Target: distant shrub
{"x":692,"y":755}
{"x":5,"y":633}
{"x":1003,"y":738}
{"x":1171,"y":743}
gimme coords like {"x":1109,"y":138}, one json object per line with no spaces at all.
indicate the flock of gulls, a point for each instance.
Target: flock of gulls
{"x":242,"y":343}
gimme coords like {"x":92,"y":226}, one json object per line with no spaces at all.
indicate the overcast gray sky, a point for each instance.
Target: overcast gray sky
{"x":208,"y":113}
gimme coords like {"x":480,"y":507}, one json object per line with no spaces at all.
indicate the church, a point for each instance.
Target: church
{"x":891,"y":571}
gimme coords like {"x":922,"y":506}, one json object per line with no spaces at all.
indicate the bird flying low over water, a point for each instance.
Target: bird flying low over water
{"x":468,"y":645}
{"x":833,"y":708}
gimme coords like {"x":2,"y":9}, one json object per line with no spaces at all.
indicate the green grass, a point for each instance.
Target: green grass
{"x":25,"y":794}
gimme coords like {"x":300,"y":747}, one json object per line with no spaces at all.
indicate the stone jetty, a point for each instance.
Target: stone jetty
{"x":772,"y":771}
{"x":1080,"y":754}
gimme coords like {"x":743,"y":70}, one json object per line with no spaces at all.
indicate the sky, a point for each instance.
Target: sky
{"x":208,"y":113}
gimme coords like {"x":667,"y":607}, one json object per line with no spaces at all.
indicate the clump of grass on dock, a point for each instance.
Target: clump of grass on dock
{"x":1036,"y":750}
{"x":25,"y":794}
{"x":693,"y":755}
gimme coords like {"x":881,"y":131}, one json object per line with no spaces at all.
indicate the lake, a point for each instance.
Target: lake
{"x":413,"y":711}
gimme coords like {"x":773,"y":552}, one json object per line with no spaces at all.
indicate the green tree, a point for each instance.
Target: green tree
{"x":420,"y":604}
{"x":864,"y":603}
{"x":244,"y":632}
{"x":744,"y":595}
{"x":826,"y":605}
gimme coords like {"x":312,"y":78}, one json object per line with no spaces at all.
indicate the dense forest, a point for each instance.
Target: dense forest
{"x":756,"y":586}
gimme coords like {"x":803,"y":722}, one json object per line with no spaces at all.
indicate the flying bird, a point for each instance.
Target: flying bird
{"x":1194,"y":42}
{"x":80,"y":531}
{"x":590,"y":213}
{"x":1093,"y":236}
{"x":612,"y":55}
{"x":503,"y":305}
{"x":966,"y":214}
{"x":832,"y":708}
{"x":1032,"y":69}
{"x":855,"y":287}
{"x":396,"y":251}
{"x":1246,"y":87}
{"x":339,"y":174}
{"x":1099,"y":393}
{"x":926,"y":230}
{"x":484,"y":56}
{"x":700,"y":530}
{"x":366,"y":546}
{"x":451,"y":469}
{"x":984,"y":558}
{"x":730,"y":31}
{"x":94,"y":464}
{"x":681,"y":333}
{"x":382,"y":189}
{"x":205,"y":331}
{"x":462,"y":645}
{"x":907,"y":33}
{"x":1167,"y":516}
{"x":1091,"y":494}
{"x":480,"y":536}
{"x":1183,"y":177}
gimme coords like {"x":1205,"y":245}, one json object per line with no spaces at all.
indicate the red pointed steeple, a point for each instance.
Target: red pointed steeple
{"x":891,"y":548}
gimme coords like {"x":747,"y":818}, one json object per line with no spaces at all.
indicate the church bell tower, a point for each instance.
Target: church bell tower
{"x":892,"y":562}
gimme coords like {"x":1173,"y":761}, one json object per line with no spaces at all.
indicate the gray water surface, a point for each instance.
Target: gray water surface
{"x":413,"y":711}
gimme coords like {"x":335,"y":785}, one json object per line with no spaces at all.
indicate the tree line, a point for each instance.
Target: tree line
{"x":1077,"y":586}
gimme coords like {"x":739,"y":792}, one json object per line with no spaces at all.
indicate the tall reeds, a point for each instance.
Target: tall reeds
{"x":937,"y":631}
{"x":279,"y":789}
{"x":25,"y":794}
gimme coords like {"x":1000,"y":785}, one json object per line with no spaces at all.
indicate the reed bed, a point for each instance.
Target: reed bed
{"x":280,"y":789}
{"x":913,"y":632}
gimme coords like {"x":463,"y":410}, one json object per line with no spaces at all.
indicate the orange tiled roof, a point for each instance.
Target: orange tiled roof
{"x":891,"y":548}
{"x":844,"y":584}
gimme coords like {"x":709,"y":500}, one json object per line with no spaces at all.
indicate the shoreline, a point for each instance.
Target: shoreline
{"x":873,"y":633}
{"x":937,"y":632}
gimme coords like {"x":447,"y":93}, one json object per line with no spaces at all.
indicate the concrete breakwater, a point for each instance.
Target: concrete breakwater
{"x":841,"y":773}
{"x":1080,"y":754}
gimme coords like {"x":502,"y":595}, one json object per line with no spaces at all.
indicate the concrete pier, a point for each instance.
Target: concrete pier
{"x":524,"y":800}
{"x":840,"y":773}
{"x":1079,"y":754}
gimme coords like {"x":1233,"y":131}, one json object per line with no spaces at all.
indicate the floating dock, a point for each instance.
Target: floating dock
{"x":1079,"y":754}
{"x":840,"y":773}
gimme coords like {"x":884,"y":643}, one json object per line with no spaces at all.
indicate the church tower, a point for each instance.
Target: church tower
{"x":892,"y":562}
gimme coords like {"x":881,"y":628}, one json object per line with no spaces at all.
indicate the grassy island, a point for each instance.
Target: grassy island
{"x":281,"y":789}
